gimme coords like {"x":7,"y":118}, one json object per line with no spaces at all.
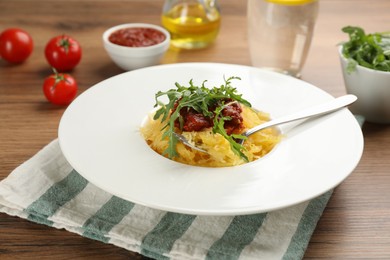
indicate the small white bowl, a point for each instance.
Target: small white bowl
{"x":372,"y":87}
{"x":130,"y":58}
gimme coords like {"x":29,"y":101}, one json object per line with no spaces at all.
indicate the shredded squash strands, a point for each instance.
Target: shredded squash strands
{"x":219,"y":151}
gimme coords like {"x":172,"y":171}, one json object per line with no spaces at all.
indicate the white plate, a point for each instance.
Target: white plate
{"x":99,"y":136}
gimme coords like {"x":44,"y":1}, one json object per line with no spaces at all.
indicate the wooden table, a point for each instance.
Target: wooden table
{"x":356,"y":222}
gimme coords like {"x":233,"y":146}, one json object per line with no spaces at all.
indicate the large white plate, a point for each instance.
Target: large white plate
{"x":99,"y":136}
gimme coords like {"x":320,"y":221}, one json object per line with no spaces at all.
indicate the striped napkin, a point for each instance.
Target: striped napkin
{"x":46,"y":190}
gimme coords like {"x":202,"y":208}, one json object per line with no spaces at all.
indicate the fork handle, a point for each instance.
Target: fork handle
{"x":322,"y":109}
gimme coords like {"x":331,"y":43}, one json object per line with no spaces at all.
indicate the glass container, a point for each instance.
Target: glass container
{"x":193,"y":24}
{"x":280,"y":33}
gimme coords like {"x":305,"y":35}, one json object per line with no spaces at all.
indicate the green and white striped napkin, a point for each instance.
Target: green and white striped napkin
{"x":45,"y":189}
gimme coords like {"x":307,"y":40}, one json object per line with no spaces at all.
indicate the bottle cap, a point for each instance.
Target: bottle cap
{"x":291,"y":2}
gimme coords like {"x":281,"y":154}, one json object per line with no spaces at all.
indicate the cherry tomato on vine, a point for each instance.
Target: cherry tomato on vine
{"x":60,"y":88}
{"x":16,"y":45}
{"x":63,"y":53}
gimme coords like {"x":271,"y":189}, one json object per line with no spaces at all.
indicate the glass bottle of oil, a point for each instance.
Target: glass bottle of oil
{"x":193,"y":24}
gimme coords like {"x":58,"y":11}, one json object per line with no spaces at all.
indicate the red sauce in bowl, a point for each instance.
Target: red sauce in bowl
{"x":137,"y":37}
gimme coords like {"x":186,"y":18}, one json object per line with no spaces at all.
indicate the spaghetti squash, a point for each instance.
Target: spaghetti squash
{"x":212,"y":119}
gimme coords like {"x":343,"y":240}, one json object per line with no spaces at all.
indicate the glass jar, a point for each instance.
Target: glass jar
{"x":193,"y":24}
{"x":280,"y":33}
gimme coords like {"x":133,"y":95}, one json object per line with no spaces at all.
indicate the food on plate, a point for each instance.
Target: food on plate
{"x":60,"y":88}
{"x":63,"y":53}
{"x":212,"y":119}
{"x":16,"y":45}
{"x":368,"y":50}
{"x":137,"y":37}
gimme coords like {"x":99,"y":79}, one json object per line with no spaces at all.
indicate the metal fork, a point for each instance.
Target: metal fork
{"x":318,"y":110}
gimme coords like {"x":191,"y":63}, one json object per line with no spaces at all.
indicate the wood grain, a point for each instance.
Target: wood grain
{"x":356,"y":222}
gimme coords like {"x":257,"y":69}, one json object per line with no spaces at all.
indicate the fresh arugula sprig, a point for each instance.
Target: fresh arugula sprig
{"x":201,"y":99}
{"x":218,"y":127}
{"x":368,"y":50}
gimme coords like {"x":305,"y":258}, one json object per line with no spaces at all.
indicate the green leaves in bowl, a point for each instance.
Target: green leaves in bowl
{"x":367,"y":50}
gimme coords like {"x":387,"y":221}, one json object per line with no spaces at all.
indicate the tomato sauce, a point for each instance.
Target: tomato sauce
{"x":195,"y":121}
{"x":137,"y":37}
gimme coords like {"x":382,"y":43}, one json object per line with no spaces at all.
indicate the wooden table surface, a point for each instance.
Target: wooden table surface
{"x":356,"y":222}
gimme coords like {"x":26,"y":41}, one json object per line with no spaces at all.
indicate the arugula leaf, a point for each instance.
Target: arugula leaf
{"x":368,"y":50}
{"x":201,"y":99}
{"x":218,"y":127}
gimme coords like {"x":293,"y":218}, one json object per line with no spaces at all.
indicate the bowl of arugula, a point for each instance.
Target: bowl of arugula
{"x":365,"y":62}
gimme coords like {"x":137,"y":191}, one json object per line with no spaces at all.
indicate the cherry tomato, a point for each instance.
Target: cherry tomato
{"x":60,"y":88}
{"x":63,"y":53}
{"x":16,"y":45}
